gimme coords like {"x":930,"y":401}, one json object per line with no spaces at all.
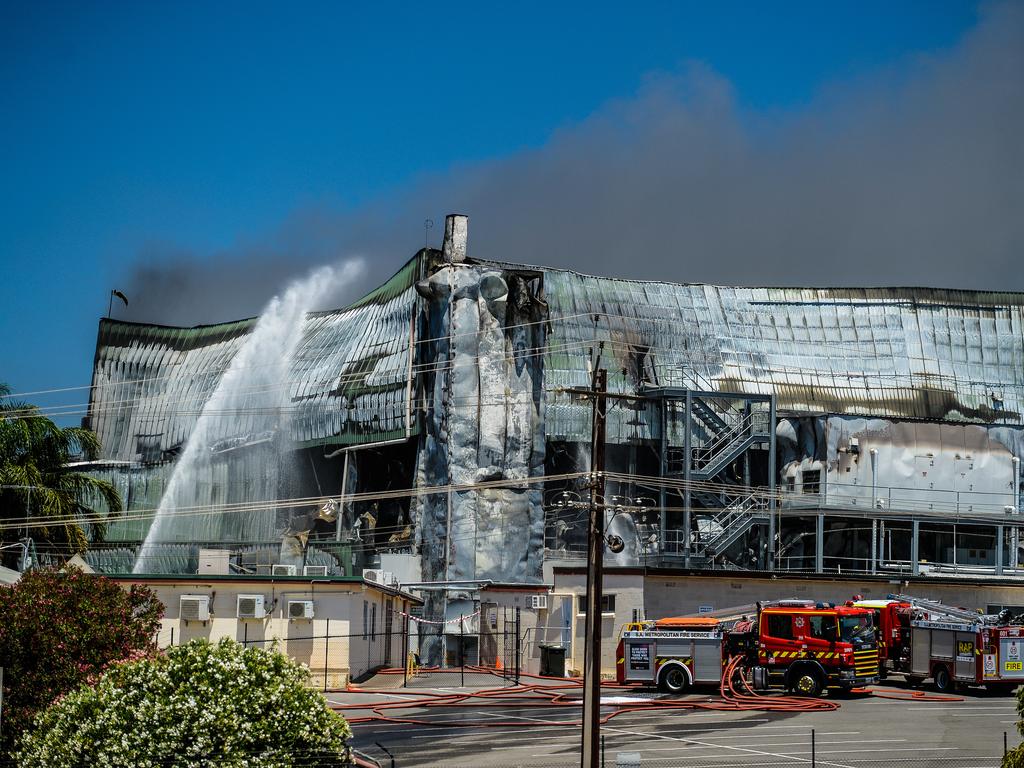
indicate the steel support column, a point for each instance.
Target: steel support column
{"x":915,"y":541}
{"x":819,"y":543}
{"x":999,"y":550}
{"x":772,"y":472}
{"x":687,"y":463}
{"x":662,"y":523}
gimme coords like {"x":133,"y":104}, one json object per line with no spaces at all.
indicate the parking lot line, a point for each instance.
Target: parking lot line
{"x":744,"y":750}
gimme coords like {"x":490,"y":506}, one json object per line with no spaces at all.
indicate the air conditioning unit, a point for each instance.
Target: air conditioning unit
{"x":280,"y":569}
{"x":300,"y":609}
{"x":373,"y":574}
{"x":388,"y":578}
{"x":539,"y":602}
{"x":314,"y":570}
{"x":194,"y":607}
{"x":251,"y":607}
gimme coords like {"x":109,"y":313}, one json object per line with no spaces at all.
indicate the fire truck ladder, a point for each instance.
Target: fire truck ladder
{"x":937,"y":607}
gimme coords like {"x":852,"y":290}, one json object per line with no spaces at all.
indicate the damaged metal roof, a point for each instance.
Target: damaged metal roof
{"x":350,"y":382}
{"x":920,"y":353}
{"x":899,"y":352}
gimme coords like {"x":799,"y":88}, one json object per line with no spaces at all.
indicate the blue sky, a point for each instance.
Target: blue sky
{"x":199,"y":126}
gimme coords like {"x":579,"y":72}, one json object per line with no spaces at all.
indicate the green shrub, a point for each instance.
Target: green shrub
{"x":200,"y":705}
{"x":58,"y":630}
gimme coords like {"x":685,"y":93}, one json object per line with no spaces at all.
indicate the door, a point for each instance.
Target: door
{"x":966,"y":663}
{"x":389,"y":617}
{"x":921,"y":651}
{"x":777,"y":632}
{"x":818,"y":632}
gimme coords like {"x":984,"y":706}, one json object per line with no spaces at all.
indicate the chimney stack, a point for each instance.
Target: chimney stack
{"x":456,"y":232}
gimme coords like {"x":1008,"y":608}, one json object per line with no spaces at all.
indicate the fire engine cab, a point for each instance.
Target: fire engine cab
{"x":805,"y":646}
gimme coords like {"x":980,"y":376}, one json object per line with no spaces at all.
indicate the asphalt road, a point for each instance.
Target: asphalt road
{"x":865,"y":732}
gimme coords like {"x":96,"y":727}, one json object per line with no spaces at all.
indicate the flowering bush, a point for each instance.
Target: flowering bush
{"x":200,"y":705}
{"x":57,"y":630}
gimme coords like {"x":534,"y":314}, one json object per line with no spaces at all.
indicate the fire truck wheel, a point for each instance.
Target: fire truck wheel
{"x":673,"y":680}
{"x":943,"y":682}
{"x":806,"y":682}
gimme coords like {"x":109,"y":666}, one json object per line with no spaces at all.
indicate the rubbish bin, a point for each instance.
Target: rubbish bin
{"x":552,"y":661}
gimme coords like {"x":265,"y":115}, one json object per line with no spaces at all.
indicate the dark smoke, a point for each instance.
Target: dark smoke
{"x":912,"y":177}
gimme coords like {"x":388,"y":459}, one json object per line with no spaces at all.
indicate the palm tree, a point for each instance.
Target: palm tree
{"x":39,"y":495}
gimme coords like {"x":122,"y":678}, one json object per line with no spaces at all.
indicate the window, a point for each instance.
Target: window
{"x":822,"y":627}
{"x":366,"y":610}
{"x":373,"y":622}
{"x":780,"y":625}
{"x":607,"y":604}
{"x":812,"y":481}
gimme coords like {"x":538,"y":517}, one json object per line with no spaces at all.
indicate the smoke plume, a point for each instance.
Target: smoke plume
{"x":913,"y":176}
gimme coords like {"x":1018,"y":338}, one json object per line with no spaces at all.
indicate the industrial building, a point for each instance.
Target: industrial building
{"x":440,"y":428}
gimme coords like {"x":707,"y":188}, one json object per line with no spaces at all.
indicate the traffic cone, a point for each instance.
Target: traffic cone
{"x":497,"y":662}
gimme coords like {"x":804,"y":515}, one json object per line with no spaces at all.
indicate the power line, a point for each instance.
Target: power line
{"x":306,"y":501}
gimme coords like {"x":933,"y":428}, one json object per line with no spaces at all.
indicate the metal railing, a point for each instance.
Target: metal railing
{"x":902,"y":499}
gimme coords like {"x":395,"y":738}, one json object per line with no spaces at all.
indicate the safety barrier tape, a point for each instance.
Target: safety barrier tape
{"x":438,"y":623}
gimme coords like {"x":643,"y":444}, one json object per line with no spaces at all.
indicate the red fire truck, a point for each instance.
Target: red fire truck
{"x":798,"y":645}
{"x":892,"y":625}
{"x":953,"y":646}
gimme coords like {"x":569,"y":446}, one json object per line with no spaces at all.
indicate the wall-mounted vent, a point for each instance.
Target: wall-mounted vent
{"x":539,"y":602}
{"x":194,"y":608}
{"x":280,"y":569}
{"x":300,"y":609}
{"x":314,"y":570}
{"x":251,"y":607}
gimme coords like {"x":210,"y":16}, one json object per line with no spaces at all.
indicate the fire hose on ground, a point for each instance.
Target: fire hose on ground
{"x":736,"y":695}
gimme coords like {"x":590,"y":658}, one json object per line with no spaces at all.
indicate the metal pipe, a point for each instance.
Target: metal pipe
{"x":874,"y":506}
{"x":341,"y":507}
{"x":361,"y":446}
{"x":408,"y":381}
{"x":915,"y":554}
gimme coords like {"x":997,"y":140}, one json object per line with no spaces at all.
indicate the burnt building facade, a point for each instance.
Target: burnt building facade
{"x":441,"y":426}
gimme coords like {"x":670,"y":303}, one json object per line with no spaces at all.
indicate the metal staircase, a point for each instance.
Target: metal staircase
{"x":709,"y":460}
{"x":716,"y":429}
{"x":731,"y":523}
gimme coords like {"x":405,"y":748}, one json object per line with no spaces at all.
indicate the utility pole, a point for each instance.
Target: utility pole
{"x":595,"y":576}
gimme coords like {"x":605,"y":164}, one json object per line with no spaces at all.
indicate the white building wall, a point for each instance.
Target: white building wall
{"x":347,"y":637}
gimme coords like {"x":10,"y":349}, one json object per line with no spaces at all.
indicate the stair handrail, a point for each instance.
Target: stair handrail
{"x":741,"y":431}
